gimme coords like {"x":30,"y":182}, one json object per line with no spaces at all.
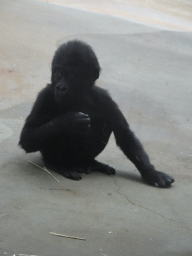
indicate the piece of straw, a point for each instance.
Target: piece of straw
{"x":43,"y":168}
{"x":72,"y":237}
{"x":24,"y":255}
{"x":3,"y":214}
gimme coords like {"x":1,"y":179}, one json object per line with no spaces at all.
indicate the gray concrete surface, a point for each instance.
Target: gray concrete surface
{"x":148,"y":72}
{"x":174,"y":14}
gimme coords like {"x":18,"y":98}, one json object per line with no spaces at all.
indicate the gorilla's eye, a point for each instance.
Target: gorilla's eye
{"x":57,"y":75}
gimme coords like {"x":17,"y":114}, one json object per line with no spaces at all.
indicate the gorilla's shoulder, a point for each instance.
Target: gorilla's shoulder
{"x":100,"y":91}
{"x":45,"y":99}
{"x":101,"y":94}
{"x":46,"y":93}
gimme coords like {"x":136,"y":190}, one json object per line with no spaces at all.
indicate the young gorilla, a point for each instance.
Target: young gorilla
{"x":72,"y":120}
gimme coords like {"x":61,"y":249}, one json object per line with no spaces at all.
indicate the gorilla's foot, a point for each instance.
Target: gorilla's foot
{"x":96,"y":166}
{"x":69,"y":173}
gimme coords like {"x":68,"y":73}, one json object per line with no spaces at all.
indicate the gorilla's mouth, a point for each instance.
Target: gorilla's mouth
{"x":63,"y":97}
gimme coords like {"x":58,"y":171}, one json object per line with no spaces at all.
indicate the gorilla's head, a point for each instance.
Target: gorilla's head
{"x":74,"y":70}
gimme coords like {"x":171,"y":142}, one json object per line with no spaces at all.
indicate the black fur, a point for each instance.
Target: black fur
{"x":72,"y":120}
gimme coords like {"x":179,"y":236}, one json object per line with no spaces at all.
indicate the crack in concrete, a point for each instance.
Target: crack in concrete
{"x":118,"y":191}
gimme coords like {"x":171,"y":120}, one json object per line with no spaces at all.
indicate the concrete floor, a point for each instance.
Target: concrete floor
{"x":175,"y":14}
{"x":148,"y":72}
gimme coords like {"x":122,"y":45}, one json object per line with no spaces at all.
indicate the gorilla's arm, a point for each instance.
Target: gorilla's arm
{"x":131,"y":146}
{"x":45,"y":123}
{"x":127,"y":140}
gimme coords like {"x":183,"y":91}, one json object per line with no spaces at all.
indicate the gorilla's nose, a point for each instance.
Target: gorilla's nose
{"x":62,"y":87}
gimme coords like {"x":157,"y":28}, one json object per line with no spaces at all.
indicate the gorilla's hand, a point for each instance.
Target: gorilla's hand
{"x":77,"y":122}
{"x":158,"y":179}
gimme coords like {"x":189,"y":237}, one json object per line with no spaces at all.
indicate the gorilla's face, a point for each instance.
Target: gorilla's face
{"x":65,"y":88}
{"x":74,"y":71}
